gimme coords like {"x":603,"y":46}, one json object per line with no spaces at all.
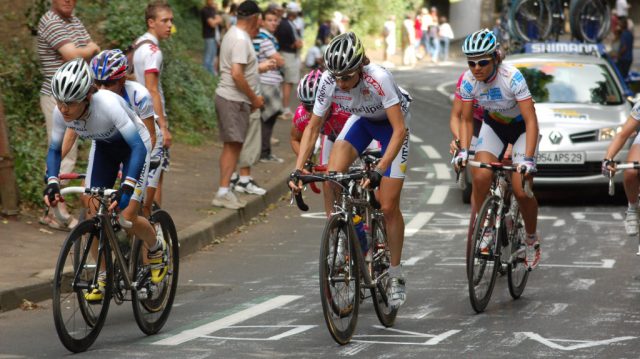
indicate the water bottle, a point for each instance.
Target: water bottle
{"x":361,"y":233}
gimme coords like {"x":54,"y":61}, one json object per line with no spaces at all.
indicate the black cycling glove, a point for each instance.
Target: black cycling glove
{"x":52,"y":189}
{"x":374,"y":178}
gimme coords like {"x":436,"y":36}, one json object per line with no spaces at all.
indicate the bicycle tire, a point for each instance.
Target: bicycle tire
{"x":152,"y":312}
{"x":381,"y":259}
{"x":531,"y":20}
{"x":480,"y":266}
{"x":340,"y":302}
{"x":589,"y":20}
{"x":517,"y":272}
{"x":78,"y":335}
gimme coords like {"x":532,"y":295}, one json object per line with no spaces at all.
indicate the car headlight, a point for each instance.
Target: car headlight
{"x":607,"y":134}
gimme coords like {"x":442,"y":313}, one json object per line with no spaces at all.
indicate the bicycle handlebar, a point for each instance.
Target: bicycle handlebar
{"x":622,"y":166}
{"x":323,"y":177}
{"x":526,"y":186}
{"x":101,"y":192}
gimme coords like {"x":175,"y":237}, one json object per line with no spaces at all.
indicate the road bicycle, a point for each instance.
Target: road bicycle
{"x":101,"y":243}
{"x":497,"y":238}
{"x":345,"y":270}
{"x":590,"y":20}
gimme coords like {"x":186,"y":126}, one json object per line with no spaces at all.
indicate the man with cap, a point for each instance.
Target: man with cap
{"x":290,"y":41}
{"x":236,"y":96}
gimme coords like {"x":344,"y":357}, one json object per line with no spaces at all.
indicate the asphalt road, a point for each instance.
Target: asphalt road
{"x":255,"y":294}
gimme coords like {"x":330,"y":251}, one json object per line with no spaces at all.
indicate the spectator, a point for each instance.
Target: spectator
{"x":324,"y":32}
{"x":299,"y":23}
{"x":147,"y":67}
{"x":434,"y":36}
{"x":290,"y":45}
{"x":622,"y":8}
{"x":445,"y":33}
{"x":236,"y":96}
{"x":61,"y":37}
{"x":408,"y":41}
{"x":426,"y":21}
{"x":389,"y":35}
{"x":211,"y":21}
{"x":625,"y":51}
{"x":337,"y":27}
{"x":276,"y":8}
{"x":314,"y":59}
{"x":269,"y":59}
{"x":417,"y":26}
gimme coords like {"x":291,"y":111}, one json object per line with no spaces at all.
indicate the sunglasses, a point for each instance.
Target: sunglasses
{"x":344,"y":78}
{"x":481,"y":63}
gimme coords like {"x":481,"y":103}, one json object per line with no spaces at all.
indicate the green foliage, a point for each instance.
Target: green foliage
{"x":19,"y":87}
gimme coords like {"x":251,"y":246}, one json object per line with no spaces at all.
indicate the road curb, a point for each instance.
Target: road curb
{"x":192,"y":239}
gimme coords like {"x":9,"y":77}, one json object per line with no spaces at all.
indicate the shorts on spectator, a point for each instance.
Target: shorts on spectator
{"x":233,"y":119}
{"x":291,"y":67}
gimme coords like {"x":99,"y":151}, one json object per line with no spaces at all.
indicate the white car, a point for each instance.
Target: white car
{"x":580,"y":104}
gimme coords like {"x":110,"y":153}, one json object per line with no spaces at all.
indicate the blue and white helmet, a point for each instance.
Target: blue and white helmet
{"x":481,"y":42}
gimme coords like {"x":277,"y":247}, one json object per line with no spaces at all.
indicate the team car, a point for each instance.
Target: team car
{"x":581,"y":103}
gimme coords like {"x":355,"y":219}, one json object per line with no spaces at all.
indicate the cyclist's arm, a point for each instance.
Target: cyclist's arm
{"x":531,"y":124}
{"x":618,"y":141}
{"x":150,"y":124}
{"x":309,"y":137}
{"x":152,"y":82}
{"x":69,"y":139}
{"x":54,"y":154}
{"x":466,"y":124}
{"x":130,"y":134}
{"x":396,"y":119}
{"x":454,"y":118}
{"x":294,"y":138}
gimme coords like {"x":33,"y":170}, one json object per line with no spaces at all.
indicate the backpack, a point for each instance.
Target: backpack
{"x":130,"y":50}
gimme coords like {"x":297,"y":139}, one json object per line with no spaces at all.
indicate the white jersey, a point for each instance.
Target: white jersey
{"x":139,"y":99}
{"x":499,"y":96}
{"x":375,"y":92}
{"x":148,"y":59}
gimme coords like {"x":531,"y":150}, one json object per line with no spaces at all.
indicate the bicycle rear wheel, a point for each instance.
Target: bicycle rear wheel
{"x":517,"y":272}
{"x":77,"y":321}
{"x":152,"y":303}
{"x":339,"y":279}
{"x":482,"y":268}
{"x":531,"y":20}
{"x":381,"y":261}
{"x":590,"y":20}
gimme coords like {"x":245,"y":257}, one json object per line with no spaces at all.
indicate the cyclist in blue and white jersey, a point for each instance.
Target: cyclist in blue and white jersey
{"x":380,"y":110}
{"x":509,"y":118}
{"x":109,"y":69}
{"x":118,"y":136}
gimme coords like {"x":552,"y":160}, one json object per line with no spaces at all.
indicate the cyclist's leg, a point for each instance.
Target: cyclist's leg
{"x":153,"y":181}
{"x":528,"y":206}
{"x":353,"y":139}
{"x":489,"y":146}
{"x":323,"y":159}
{"x":631,"y":179}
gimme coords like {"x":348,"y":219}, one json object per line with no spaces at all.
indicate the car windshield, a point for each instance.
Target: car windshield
{"x":564,"y":82}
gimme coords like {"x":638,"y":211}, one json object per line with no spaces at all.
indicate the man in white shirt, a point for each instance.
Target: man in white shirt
{"x":622,"y":8}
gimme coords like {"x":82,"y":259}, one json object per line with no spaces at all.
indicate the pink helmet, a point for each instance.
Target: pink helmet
{"x":308,"y":86}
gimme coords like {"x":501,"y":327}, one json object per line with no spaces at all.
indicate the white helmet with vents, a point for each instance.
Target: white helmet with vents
{"x":72,"y":81}
{"x":480,"y":43}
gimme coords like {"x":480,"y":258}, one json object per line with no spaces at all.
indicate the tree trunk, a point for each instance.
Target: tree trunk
{"x":8,"y":184}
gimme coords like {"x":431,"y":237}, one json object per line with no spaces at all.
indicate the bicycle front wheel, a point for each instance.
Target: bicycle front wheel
{"x":152,"y":302}
{"x":339,"y":280}
{"x":590,"y":20}
{"x":381,"y":260}
{"x":482,"y":262}
{"x":517,"y":272}
{"x":77,"y":321}
{"x":531,"y":20}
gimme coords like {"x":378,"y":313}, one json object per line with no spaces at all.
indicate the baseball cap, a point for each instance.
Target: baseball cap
{"x":248,"y":8}
{"x":293,"y":7}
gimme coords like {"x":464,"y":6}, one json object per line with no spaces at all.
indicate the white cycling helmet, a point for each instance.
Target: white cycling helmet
{"x":480,"y":43}
{"x":344,"y":54}
{"x":72,"y":81}
{"x":308,"y":86}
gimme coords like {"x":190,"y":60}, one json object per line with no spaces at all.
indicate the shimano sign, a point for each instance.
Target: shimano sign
{"x":563,"y":48}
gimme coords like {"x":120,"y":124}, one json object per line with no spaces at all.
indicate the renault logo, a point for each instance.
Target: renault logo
{"x":555,"y":137}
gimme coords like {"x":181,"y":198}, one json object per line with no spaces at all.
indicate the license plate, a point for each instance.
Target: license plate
{"x":559,"y":158}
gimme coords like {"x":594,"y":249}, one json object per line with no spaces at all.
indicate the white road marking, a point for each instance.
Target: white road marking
{"x":431,"y":152}
{"x":353,"y":349}
{"x":551,"y":343}
{"x":296,"y":329}
{"x":413,"y":260}
{"x":559,"y":223}
{"x":415,"y":139}
{"x":441,"y":87}
{"x":438,"y":195}
{"x":582,"y":284}
{"x":434,"y":339}
{"x":416,"y":223}
{"x":604,"y":264}
{"x":228,"y":321}
{"x":315,"y":215}
{"x":442,"y":171}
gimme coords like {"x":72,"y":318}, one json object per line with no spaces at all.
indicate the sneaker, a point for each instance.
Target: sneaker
{"x":274,"y":141}
{"x":486,"y":242}
{"x":158,"y":259}
{"x":286,"y":115}
{"x":234,"y":180}
{"x":250,"y":187}
{"x":96,"y":294}
{"x":396,"y":293}
{"x":532,"y":252}
{"x":229,"y":200}
{"x":631,"y":223}
{"x":271,"y":159}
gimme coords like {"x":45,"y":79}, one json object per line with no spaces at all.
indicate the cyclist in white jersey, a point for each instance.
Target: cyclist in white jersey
{"x":509,"y":118}
{"x":380,"y":110}
{"x":109,"y":71}
{"x":631,"y":180}
{"x":118,"y":136}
